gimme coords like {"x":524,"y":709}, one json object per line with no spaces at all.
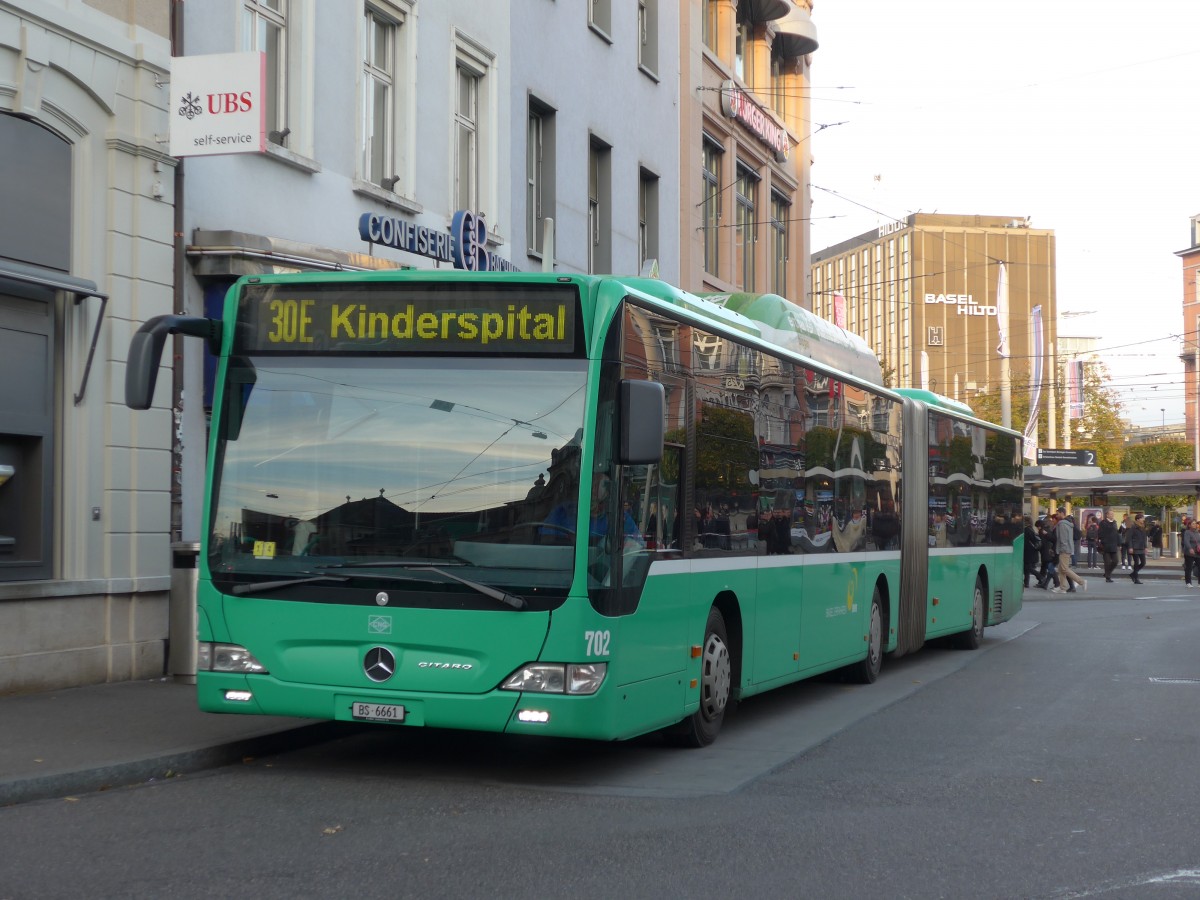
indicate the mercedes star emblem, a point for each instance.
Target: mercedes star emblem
{"x":379,"y":664}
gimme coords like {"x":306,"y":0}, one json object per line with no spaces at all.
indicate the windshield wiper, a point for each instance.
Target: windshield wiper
{"x":308,"y":578}
{"x":264,"y":586}
{"x":395,"y":563}
{"x":516,"y":601}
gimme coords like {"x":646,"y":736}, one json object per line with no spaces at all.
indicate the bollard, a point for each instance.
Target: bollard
{"x":182,"y":616}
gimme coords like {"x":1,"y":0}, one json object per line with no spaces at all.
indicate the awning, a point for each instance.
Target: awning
{"x":51,"y":279}
{"x":796,"y":34}
{"x":766,"y":10}
{"x":1068,"y":481}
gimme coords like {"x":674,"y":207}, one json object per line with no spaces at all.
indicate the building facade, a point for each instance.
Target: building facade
{"x":394,"y":113}
{"x":86,"y":207}
{"x":598,"y":150}
{"x":922,"y":291}
{"x":744,"y":155}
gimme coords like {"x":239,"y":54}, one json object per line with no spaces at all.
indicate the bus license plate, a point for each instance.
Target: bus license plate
{"x":377,"y":712}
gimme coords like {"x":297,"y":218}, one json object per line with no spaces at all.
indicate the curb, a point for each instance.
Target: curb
{"x":169,"y":765}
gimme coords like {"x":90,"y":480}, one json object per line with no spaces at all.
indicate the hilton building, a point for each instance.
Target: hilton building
{"x":922,"y":291}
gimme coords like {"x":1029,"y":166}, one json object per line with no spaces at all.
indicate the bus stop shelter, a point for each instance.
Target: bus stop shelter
{"x":1055,"y":484}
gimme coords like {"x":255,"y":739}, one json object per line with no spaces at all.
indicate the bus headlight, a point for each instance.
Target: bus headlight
{"x":557,"y":678}
{"x":213,"y":657}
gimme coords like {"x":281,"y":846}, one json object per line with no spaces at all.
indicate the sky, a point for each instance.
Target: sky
{"x":1080,"y":114}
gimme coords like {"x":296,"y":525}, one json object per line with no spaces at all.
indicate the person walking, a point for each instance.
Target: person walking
{"x":1049,"y":554}
{"x":1137,"y":547}
{"x":1155,"y":533}
{"x":1033,"y":552}
{"x":1123,"y":534}
{"x":1191,"y":552}
{"x":1064,"y":533}
{"x":1110,"y":543}
{"x":1090,"y":537}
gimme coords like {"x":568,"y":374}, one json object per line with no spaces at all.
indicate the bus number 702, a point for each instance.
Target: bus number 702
{"x":597,"y":642}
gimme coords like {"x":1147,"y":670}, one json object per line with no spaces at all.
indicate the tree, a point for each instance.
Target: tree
{"x":1164,"y":456}
{"x":1100,"y":429}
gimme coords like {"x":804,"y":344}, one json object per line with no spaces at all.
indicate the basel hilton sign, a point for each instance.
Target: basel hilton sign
{"x":965,"y":304}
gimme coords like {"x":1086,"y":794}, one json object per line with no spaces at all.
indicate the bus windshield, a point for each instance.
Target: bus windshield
{"x":389,"y":472}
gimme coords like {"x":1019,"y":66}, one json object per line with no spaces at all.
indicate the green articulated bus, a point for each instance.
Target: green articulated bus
{"x":584,"y":506}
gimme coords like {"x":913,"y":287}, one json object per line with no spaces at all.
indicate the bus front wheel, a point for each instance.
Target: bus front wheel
{"x":716,"y":681}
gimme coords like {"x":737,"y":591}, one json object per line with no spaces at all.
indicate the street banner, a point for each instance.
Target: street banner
{"x":1075,"y":388}
{"x":1002,"y":312}
{"x":1035,"y":399}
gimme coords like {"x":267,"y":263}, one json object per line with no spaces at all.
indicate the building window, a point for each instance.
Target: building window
{"x":599,"y":207}
{"x":781,"y":212}
{"x":466,"y":139}
{"x":710,"y":25}
{"x":779,"y":95}
{"x":745,"y":227}
{"x":265,"y":31}
{"x":378,"y":98}
{"x":647,"y":217}
{"x":600,"y":16}
{"x":539,"y":174}
{"x":712,"y":207}
{"x":744,"y":47}
{"x":648,"y":35}
{"x":474,"y":180}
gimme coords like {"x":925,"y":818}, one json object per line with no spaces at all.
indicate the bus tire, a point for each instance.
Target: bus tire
{"x":866,"y":671}
{"x":973,"y":636}
{"x":716,"y":683}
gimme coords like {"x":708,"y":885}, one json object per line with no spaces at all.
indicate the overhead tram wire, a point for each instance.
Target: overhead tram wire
{"x":721,"y":189}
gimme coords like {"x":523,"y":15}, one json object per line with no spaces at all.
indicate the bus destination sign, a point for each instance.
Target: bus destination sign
{"x":391,"y":318}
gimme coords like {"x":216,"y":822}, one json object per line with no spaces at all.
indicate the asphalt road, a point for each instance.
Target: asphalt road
{"x":1057,"y":761}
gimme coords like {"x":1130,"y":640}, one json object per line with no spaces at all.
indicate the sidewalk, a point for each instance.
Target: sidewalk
{"x":86,"y":739}
{"x":1165,"y":568}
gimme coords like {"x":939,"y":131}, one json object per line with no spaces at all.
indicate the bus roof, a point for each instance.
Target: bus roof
{"x":929,"y":398}
{"x":778,"y":321}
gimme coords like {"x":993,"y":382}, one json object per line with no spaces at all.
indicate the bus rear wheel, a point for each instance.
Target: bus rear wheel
{"x":716,"y":682}
{"x":973,"y":636}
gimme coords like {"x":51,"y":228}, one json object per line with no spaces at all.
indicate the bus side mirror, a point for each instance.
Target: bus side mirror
{"x":642,"y":414}
{"x":145,"y":352}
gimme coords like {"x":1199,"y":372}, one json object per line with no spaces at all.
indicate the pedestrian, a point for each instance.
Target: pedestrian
{"x":1137,"y":547}
{"x":1155,"y":533}
{"x":1064,"y":533}
{"x":1191,"y":552}
{"x":1076,"y":539}
{"x":1033,"y":551}
{"x":1090,"y":536}
{"x":1110,"y":543}
{"x":1049,"y":555}
{"x":1123,"y":534}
